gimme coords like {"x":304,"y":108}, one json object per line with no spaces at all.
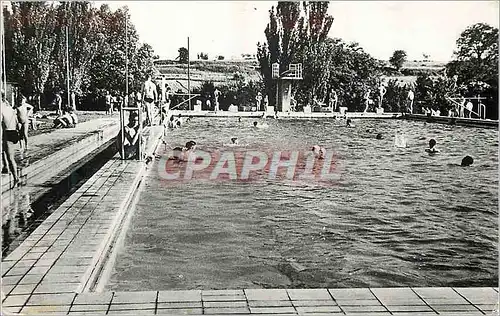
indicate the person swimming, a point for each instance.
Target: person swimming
{"x":432,"y":147}
{"x":184,"y":153}
{"x":318,"y":151}
{"x":260,"y":125}
{"x":349,"y":123}
{"x":234,"y":141}
{"x":379,"y":136}
{"x":467,"y":161}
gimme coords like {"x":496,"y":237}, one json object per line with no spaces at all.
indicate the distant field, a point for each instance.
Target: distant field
{"x":220,"y":72}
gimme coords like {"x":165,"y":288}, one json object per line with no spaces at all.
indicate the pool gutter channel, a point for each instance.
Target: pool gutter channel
{"x":96,"y":279}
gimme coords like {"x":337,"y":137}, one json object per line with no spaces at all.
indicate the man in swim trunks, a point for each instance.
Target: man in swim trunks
{"x":23,"y":110}
{"x":10,"y":136}
{"x":150,"y":96}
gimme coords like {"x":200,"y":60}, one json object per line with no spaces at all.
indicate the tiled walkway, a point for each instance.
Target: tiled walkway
{"x":362,"y":301}
{"x":50,"y":271}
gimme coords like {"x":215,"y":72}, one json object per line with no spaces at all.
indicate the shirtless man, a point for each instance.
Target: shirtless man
{"x":368,"y":100}
{"x":23,"y":111}
{"x":381,"y":92}
{"x":149,"y":97}
{"x":10,"y":136}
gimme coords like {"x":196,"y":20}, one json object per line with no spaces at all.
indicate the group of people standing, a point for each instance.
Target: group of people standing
{"x":380,"y":93}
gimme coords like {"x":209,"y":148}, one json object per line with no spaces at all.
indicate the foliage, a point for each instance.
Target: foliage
{"x":36,"y":49}
{"x":476,"y":64}
{"x":297,"y":33}
{"x":397,"y":59}
{"x":29,"y":42}
{"x":395,"y":96}
{"x":183,"y":55}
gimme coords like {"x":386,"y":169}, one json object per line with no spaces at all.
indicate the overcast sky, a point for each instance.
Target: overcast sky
{"x":231,"y":28}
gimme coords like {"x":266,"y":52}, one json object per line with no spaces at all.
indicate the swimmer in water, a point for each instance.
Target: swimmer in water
{"x":432,"y":147}
{"x":234,"y":141}
{"x":185,"y":153}
{"x":467,"y":161}
{"x":349,"y":123}
{"x":318,"y":151}
{"x":379,"y":136}
{"x":239,"y":119}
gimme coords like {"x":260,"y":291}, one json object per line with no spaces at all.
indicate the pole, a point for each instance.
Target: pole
{"x":67,"y":66}
{"x":4,"y":68}
{"x":189,"y":82}
{"x":126,"y":56}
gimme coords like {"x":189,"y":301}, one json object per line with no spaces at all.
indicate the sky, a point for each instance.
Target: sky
{"x":231,"y":28}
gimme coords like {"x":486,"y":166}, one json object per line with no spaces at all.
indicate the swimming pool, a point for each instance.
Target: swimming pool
{"x":395,"y":217}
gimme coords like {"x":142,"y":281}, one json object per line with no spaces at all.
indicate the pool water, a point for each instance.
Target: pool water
{"x":394,"y":216}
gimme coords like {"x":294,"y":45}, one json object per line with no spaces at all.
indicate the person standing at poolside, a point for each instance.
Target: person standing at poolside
{"x":149,"y":97}
{"x":381,"y":92}
{"x":216,"y":99}
{"x":368,"y":100}
{"x":332,"y":100}
{"x":258,"y":100}
{"x":23,"y":111}
{"x":10,"y":136}
{"x":410,"y":98}
{"x":108,"y":99}
{"x":57,"y":102}
{"x":266,"y":102}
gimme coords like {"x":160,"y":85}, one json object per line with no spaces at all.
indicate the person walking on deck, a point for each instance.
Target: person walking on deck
{"x":149,"y":97}
{"x":10,"y":136}
{"x":23,"y":111}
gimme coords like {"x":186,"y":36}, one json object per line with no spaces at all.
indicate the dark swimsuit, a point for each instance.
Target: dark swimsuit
{"x":11,"y":136}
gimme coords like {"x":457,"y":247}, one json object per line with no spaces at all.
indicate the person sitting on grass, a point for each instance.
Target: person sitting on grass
{"x":67,"y":119}
{"x":130,"y":137}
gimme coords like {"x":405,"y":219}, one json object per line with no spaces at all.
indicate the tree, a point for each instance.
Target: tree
{"x":398,"y":58}
{"x":476,"y":64}
{"x":293,"y":33}
{"x":30,"y":42}
{"x":183,"y":55}
{"x":85,"y":38}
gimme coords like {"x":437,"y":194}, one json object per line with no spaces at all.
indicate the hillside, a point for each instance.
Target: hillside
{"x":221,"y":72}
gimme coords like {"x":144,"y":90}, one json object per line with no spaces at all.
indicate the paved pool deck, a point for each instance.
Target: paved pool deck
{"x":55,"y":270}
